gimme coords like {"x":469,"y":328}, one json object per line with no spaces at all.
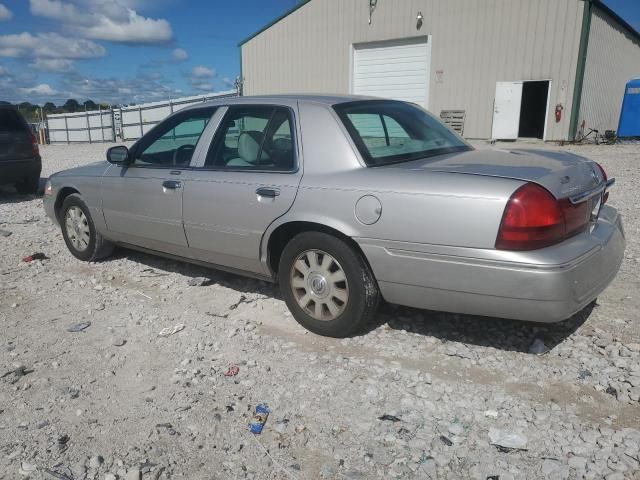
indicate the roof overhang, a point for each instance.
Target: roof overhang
{"x":301,"y":4}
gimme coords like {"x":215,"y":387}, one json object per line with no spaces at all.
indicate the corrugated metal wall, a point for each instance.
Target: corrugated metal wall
{"x":613,"y":58}
{"x":475,"y":44}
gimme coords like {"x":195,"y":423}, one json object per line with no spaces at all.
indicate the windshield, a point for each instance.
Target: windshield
{"x":388,"y":132}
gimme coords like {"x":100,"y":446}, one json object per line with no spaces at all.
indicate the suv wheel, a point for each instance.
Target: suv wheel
{"x":79,"y":231}
{"x":29,"y":184}
{"x":327,"y":285}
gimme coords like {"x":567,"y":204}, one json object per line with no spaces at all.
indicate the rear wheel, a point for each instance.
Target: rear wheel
{"x":79,"y":232}
{"x":29,"y":185}
{"x":327,"y":285}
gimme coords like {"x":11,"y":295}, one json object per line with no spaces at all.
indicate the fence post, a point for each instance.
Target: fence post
{"x":101,"y":125}
{"x":86,"y":114}
{"x":140,"y":115}
{"x":66,"y":128}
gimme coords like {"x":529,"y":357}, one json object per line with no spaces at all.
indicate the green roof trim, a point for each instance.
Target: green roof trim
{"x":581,"y":68}
{"x":273,"y":22}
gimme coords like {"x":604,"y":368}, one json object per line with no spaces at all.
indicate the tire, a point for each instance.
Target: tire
{"x":311,"y":270}
{"x":29,"y":185}
{"x":79,"y":232}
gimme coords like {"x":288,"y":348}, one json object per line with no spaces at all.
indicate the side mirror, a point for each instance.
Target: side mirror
{"x":118,"y":155}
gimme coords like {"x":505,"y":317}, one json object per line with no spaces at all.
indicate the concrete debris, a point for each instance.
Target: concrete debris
{"x":538,"y":347}
{"x":507,"y":439}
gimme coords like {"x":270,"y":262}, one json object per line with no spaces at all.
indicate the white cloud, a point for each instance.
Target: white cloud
{"x":101,"y":20}
{"x":42,"y":89}
{"x":121,"y":90}
{"x":3,"y":70}
{"x":200,"y":71}
{"x":179,"y":55}
{"x":53,"y":64}
{"x":5,"y":13}
{"x":48,"y":45}
{"x":203,"y":86}
{"x":229,"y":82}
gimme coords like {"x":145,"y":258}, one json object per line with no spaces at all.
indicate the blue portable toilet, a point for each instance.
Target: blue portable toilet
{"x":629,"y":125}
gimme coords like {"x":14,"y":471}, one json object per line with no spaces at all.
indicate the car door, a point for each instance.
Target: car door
{"x":248,"y":178}
{"x":142,"y":201}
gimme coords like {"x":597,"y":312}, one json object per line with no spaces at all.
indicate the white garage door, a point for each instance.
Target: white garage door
{"x":397,"y":70}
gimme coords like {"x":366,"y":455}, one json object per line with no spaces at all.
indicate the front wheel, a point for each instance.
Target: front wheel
{"x":79,"y":232}
{"x":327,"y":285}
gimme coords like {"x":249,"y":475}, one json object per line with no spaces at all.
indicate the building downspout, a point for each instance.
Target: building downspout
{"x":580,"y":70}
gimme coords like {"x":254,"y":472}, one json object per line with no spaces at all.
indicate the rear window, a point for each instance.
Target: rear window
{"x":387,"y":132}
{"x":11,"y":121}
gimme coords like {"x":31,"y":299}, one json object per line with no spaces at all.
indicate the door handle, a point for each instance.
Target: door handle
{"x":171,"y":184}
{"x":268,"y":192}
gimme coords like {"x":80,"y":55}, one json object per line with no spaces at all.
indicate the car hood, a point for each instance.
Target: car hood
{"x":95,"y":169}
{"x":563,"y":174}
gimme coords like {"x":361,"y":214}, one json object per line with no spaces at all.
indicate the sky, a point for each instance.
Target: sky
{"x":132,"y":51}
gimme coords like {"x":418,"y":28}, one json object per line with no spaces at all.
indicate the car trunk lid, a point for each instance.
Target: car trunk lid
{"x":562,"y":173}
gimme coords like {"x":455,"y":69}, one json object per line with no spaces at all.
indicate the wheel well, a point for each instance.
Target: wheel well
{"x":281,"y":236}
{"x":62,"y":195}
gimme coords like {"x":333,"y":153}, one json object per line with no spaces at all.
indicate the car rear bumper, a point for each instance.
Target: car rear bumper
{"x":15,"y":171}
{"x":547,"y":285}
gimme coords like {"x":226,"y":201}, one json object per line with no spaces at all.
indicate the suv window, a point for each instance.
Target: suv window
{"x":173,"y":142}
{"x":11,"y":121}
{"x":388,"y":132}
{"x":253,"y":138}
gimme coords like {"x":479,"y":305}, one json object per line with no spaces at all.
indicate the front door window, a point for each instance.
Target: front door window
{"x":172,"y":143}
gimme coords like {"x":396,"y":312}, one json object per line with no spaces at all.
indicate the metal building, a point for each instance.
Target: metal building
{"x":494,"y":68}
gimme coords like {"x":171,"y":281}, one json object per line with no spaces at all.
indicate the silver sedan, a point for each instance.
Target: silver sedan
{"x":348,"y":200}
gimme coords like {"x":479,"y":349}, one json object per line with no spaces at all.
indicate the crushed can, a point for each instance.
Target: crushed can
{"x":259,"y":419}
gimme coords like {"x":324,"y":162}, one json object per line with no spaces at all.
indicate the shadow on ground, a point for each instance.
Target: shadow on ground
{"x":8,"y":193}
{"x":502,"y":334}
{"x":508,"y":335}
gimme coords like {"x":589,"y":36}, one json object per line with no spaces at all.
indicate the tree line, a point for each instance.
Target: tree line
{"x":32,"y":111}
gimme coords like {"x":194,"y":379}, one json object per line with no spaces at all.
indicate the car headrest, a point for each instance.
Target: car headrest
{"x":249,"y":146}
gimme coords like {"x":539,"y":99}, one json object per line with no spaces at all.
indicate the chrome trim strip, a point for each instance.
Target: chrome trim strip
{"x":581,"y":197}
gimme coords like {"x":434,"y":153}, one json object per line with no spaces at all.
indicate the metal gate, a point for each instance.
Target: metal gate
{"x":86,"y":127}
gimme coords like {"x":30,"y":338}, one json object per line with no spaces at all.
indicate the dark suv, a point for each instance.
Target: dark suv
{"x":20,"y":162}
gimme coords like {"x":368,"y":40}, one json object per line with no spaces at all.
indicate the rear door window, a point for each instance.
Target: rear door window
{"x":254,"y":138}
{"x":11,"y":121}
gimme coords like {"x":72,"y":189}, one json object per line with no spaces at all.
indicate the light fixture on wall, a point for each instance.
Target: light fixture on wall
{"x":372,"y":6}
{"x":419,"y":20}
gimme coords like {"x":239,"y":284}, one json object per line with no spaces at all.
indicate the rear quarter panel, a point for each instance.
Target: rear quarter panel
{"x":416,"y":207}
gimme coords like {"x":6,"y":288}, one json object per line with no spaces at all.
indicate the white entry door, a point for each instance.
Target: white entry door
{"x":506,"y":110}
{"x":396,"y":69}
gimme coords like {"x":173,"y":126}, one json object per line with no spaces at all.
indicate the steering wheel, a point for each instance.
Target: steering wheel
{"x":178,"y":151}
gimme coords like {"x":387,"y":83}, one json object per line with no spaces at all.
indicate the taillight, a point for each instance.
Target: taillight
{"x":533,"y":219}
{"x":605,"y":197}
{"x":35,"y":149}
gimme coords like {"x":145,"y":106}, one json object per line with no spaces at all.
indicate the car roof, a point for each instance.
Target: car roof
{"x":322,"y":99}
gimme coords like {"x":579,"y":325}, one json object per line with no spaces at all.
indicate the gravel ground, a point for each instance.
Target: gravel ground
{"x":424,"y":395}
